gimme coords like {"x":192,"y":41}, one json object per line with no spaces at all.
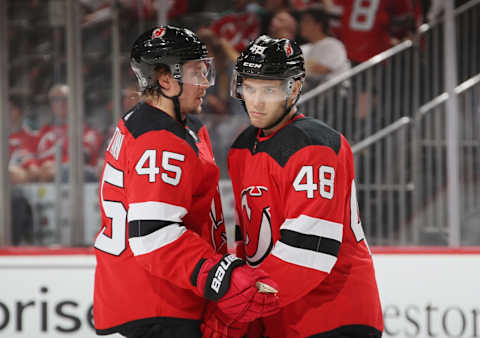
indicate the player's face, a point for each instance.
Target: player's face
{"x":307,"y":26}
{"x":59,"y":105}
{"x":196,"y":80}
{"x":264,"y":99}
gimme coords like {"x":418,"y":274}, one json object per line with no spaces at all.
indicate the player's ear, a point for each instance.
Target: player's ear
{"x":163,"y":76}
{"x":165,"y":80}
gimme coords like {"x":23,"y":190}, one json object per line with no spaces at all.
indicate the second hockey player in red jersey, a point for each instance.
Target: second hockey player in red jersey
{"x":294,"y":187}
{"x":161,"y":247}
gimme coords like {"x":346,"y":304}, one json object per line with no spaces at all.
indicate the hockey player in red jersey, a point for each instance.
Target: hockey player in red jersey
{"x":160,"y":250}
{"x":294,"y":187}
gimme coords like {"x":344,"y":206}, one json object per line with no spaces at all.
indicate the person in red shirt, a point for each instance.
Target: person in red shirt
{"x":369,"y":27}
{"x":161,"y":249}
{"x":238,"y":27}
{"x":295,"y":198}
{"x":22,"y":168}
{"x":22,"y":163}
{"x":55,"y":135}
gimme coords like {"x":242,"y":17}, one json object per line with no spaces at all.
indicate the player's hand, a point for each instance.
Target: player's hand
{"x":216,"y":324}
{"x":233,"y":286}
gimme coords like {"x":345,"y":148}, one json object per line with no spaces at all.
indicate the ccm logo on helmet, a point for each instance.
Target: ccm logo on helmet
{"x":221,"y":270}
{"x":252,"y":65}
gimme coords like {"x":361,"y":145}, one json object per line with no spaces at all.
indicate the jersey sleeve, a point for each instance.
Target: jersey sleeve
{"x":314,"y":189}
{"x":217,"y":233}
{"x":162,"y":174}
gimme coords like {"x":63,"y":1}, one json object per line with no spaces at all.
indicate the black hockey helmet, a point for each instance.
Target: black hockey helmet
{"x":170,"y":46}
{"x":267,"y":58}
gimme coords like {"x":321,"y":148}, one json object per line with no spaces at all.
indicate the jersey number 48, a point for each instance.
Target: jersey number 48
{"x":304,"y":181}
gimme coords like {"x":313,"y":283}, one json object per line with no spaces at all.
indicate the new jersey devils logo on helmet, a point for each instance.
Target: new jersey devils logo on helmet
{"x":288,"y":49}
{"x":158,"y":33}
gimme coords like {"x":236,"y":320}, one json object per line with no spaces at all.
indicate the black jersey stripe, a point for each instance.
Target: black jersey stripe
{"x":140,"y":228}
{"x":363,"y":331}
{"x":162,"y":326}
{"x":238,"y":233}
{"x":310,"y":242}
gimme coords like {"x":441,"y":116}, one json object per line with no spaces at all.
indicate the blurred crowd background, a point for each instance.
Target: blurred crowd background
{"x":336,"y":36}
{"x":38,"y":67}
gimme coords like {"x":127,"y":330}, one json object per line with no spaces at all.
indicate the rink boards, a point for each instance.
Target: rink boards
{"x":425,"y":292}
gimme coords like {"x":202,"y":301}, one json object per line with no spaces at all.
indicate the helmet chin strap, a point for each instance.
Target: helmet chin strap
{"x":175,"y":100}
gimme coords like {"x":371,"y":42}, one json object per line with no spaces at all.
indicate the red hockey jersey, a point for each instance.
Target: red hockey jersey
{"x":21,"y":148}
{"x":238,"y":29}
{"x":50,"y":135}
{"x":365,"y":25}
{"x":296,"y":205}
{"x":161,"y":213}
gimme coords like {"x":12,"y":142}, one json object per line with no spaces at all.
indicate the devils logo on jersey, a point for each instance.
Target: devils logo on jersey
{"x":219,"y":237}
{"x":258,"y":228}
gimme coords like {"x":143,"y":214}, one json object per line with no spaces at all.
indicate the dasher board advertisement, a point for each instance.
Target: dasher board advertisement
{"x":424,"y":293}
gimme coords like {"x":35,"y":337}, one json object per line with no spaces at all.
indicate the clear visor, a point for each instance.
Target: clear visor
{"x":199,"y":72}
{"x":260,"y":90}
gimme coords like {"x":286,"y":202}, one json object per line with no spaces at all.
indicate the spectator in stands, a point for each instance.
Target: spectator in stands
{"x":22,"y":165}
{"x":371,"y":27}
{"x":53,"y":139}
{"x":368,"y":28}
{"x":270,"y":8}
{"x":22,"y":168}
{"x":325,"y":56}
{"x":239,"y":27}
{"x":283,"y":26}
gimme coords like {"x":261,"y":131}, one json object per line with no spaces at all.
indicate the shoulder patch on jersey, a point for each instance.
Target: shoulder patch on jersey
{"x":294,"y":137}
{"x":144,"y":118}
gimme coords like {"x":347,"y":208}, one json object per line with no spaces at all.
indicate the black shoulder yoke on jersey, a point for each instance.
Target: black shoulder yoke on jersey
{"x":144,"y":118}
{"x":290,"y":139}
